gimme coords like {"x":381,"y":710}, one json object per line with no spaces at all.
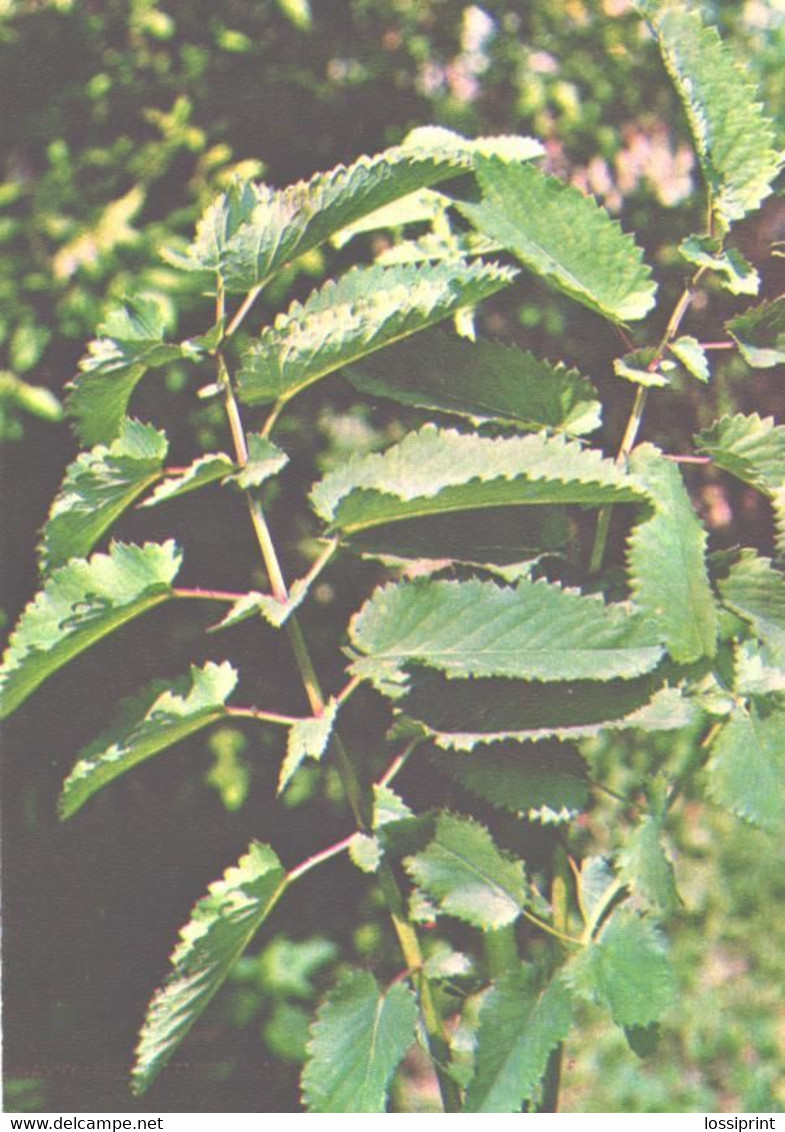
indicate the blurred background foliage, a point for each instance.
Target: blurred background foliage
{"x":122,"y":117}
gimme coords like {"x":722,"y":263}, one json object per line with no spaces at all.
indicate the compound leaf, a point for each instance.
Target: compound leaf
{"x":131,"y":342}
{"x":518,"y":1030}
{"x":159,"y":717}
{"x":207,"y":469}
{"x":755,"y":590}
{"x":751,"y":448}
{"x":364,"y":310}
{"x":533,"y":631}
{"x":434,"y":471}
{"x":98,"y":486}
{"x":565,"y":237}
{"x":627,"y":970}
{"x":746,"y":771}
{"x":734,"y":141}
{"x":482,"y":381}
{"x":357,"y":1042}
{"x":760,"y":333}
{"x":251,"y":232}
{"x":545,"y":782}
{"x":666,"y":561}
{"x":80,"y":604}
{"x":465,"y":874}
{"x":220,"y":928}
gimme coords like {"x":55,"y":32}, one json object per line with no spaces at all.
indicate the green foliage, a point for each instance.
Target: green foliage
{"x":439,"y":372}
{"x":760,"y":333}
{"x":79,"y":605}
{"x":518,"y":1030}
{"x":466,"y":875}
{"x":155,"y":720}
{"x":131,"y":342}
{"x":219,"y":930}
{"x":360,"y":1036}
{"x":532,"y":631}
{"x":626,"y":970}
{"x":98,"y":486}
{"x":668,"y":574}
{"x":564,"y":237}
{"x":364,"y":310}
{"x":523,"y":668}
{"x":734,"y":141}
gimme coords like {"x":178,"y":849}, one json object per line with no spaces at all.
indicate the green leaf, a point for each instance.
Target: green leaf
{"x":79,"y":605}
{"x":131,"y":342}
{"x":646,"y":869}
{"x":465,"y":874}
{"x":98,"y":486}
{"x":627,"y":970}
{"x":265,"y":460}
{"x":357,"y":1043}
{"x":157,"y":718}
{"x":482,"y":381}
{"x":220,"y":928}
{"x":365,"y":852}
{"x":760,"y":333}
{"x":388,"y":807}
{"x":460,"y":714}
{"x":751,"y":448}
{"x":634,"y":367}
{"x":494,"y":538}
{"x":565,"y":237}
{"x":755,"y":671}
{"x":746,"y":771}
{"x":254,"y":604}
{"x":364,"y":310}
{"x":207,"y":469}
{"x":547,"y":782}
{"x":734,"y":141}
{"x":308,"y":739}
{"x":666,"y":561}
{"x":735,"y":274}
{"x":755,"y":590}
{"x":518,"y":1030}
{"x":251,"y":232}
{"x":692,"y":356}
{"x":433,"y":471}
{"x":532,"y":631}
{"x":594,"y":883}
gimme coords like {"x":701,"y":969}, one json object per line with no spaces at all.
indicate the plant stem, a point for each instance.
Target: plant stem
{"x":208,"y":595}
{"x":318,"y":859}
{"x":360,"y":805}
{"x":636,"y":416}
{"x":243,"y":309}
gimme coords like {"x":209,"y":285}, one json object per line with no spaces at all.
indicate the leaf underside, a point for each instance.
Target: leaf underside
{"x":546,"y":781}
{"x":355,"y":315}
{"x":80,"y":604}
{"x":220,"y":928}
{"x":481,"y":381}
{"x":563,"y":236}
{"x":205,"y":470}
{"x":157,"y":718}
{"x":755,"y":590}
{"x":358,"y":1040}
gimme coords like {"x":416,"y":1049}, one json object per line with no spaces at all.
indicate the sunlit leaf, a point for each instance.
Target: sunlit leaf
{"x":152,"y":721}
{"x":746,"y":771}
{"x":760,"y":333}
